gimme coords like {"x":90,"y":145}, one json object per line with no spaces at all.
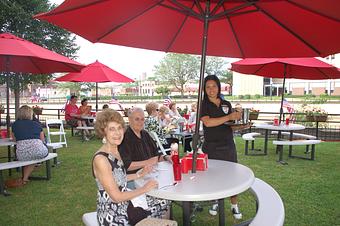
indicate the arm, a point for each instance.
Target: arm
{"x":140,"y":173}
{"x":42,"y":136}
{"x":211,"y":122}
{"x":140,"y":164}
{"x":103,"y":173}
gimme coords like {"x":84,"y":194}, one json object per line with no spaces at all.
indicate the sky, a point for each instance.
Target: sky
{"x":131,"y":62}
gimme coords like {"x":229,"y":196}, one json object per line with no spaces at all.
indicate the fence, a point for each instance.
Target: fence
{"x":329,"y":130}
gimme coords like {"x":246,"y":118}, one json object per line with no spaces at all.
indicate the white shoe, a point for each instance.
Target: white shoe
{"x":213,"y":210}
{"x":236,"y":213}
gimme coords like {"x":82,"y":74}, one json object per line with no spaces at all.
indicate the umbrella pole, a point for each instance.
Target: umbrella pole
{"x":96,"y":96}
{"x":283,"y":92}
{"x":8,"y":119}
{"x":196,"y":136}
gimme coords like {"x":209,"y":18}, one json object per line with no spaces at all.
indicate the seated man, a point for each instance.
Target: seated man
{"x":138,"y":149}
{"x":72,"y":117}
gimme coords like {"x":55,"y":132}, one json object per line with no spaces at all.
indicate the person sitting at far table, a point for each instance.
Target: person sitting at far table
{"x":29,"y":137}
{"x":72,"y":116}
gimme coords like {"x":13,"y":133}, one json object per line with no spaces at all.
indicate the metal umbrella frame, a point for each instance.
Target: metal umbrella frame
{"x":235,"y":28}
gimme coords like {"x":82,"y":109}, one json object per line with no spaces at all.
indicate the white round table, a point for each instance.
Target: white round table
{"x":282,"y":127}
{"x":222,"y":179}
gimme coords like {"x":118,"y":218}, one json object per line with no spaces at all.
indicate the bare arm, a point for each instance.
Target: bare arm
{"x":140,"y":164}
{"x":102,"y":171}
{"x":211,"y":122}
{"x":42,"y":136}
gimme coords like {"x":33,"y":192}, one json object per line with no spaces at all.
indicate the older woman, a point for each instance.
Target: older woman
{"x":29,"y":137}
{"x":152,"y":123}
{"x":113,"y":203}
{"x":164,"y":117}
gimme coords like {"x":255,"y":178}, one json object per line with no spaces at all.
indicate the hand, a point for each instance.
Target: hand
{"x":151,"y":184}
{"x":236,"y":115}
{"x":146,"y":169}
{"x":168,"y":158}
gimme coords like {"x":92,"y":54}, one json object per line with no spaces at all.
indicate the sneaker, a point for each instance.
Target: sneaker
{"x":213,"y":210}
{"x":236,"y":213}
{"x":86,"y":138}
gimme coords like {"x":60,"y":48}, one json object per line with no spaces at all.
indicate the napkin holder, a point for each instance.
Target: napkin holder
{"x":201,"y":162}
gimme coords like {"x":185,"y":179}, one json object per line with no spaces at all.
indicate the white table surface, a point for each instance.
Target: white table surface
{"x":89,"y":117}
{"x":282,"y":127}
{"x":7,"y":142}
{"x":222,"y":179}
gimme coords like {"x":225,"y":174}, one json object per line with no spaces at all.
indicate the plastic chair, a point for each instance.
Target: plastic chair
{"x":154,"y":136}
{"x":61,"y":133}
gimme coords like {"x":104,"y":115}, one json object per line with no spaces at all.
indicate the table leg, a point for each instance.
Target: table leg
{"x":9,"y":159}
{"x":265,"y":142}
{"x":186,"y":213}
{"x":221,"y":212}
{"x":290,"y":146}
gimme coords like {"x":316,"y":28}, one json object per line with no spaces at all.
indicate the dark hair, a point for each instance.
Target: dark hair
{"x":213,"y":78}
{"x":83,"y":101}
{"x":105,"y":106}
{"x":73,"y":96}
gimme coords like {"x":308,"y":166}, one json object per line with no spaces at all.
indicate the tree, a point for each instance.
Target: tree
{"x":163,"y":90}
{"x":215,"y":66}
{"x":16,"y":17}
{"x":177,"y":70}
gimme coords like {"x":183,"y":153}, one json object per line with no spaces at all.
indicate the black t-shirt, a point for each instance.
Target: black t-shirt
{"x":222,"y":133}
{"x":134,"y":148}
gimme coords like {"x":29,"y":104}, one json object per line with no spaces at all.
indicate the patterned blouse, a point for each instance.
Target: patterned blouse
{"x":151,"y":124}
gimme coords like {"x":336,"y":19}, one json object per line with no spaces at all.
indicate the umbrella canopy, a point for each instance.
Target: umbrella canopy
{"x":95,"y":72}
{"x":299,"y":68}
{"x":236,"y":28}
{"x":254,"y":28}
{"x":19,"y":55}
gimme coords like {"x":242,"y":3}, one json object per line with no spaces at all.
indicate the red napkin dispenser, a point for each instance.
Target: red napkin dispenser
{"x":201,"y":162}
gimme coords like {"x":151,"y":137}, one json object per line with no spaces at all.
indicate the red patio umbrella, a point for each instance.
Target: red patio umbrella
{"x":236,"y":28}
{"x":19,"y":55}
{"x":95,"y":72}
{"x":299,"y":68}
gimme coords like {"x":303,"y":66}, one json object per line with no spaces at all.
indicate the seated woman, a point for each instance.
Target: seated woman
{"x":152,"y":124}
{"x":173,"y":112}
{"x":29,"y":137}
{"x":84,"y":109}
{"x":113,"y":198}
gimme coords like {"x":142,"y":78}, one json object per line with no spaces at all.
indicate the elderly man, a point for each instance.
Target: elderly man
{"x":138,"y":149}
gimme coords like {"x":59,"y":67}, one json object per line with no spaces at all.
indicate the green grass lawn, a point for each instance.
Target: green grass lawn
{"x":310,"y":190}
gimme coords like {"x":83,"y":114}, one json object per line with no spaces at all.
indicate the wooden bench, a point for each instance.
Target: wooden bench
{"x":250,"y":137}
{"x":281,"y":143}
{"x":90,"y":219}
{"x":16,"y":164}
{"x":270,"y":208}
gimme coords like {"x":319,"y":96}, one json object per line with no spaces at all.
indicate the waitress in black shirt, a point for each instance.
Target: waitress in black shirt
{"x":218,"y":137}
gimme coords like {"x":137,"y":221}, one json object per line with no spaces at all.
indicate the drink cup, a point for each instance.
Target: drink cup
{"x":177,"y":172}
{"x":175,"y":159}
{"x":184,"y":164}
{"x":276,"y":121}
{"x":287,"y":121}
